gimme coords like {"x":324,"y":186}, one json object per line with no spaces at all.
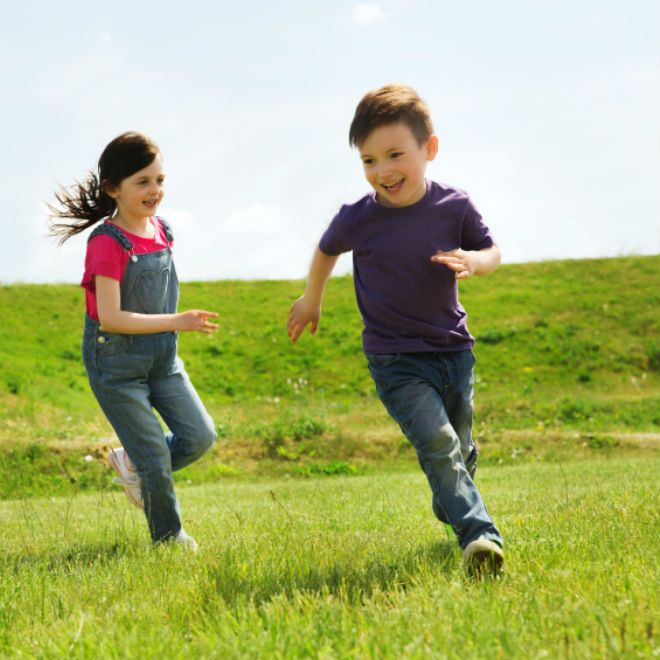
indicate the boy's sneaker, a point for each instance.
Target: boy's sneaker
{"x":127,"y":476}
{"x":186,"y":541}
{"x":483,"y":558}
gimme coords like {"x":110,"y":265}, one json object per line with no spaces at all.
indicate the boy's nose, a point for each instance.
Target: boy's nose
{"x":384,"y":171}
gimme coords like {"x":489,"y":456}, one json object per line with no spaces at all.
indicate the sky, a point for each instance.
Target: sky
{"x":547,"y":113}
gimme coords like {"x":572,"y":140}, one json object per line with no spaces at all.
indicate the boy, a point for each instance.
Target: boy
{"x":411,"y":240}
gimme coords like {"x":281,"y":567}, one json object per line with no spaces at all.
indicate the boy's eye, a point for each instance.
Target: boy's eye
{"x":368,"y":161}
{"x":396,"y":154}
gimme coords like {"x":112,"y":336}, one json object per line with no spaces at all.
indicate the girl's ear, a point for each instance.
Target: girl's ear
{"x":432,"y":147}
{"x":109,"y":189}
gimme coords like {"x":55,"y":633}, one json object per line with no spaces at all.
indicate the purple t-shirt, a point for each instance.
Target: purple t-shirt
{"x":408,"y":303}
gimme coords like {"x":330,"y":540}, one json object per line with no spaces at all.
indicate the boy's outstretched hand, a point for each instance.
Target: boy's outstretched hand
{"x":466,"y":263}
{"x":301,"y":314}
{"x":463,"y":263}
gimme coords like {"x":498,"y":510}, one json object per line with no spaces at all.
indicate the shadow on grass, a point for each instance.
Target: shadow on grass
{"x":348,"y":580}
{"x":74,"y":557}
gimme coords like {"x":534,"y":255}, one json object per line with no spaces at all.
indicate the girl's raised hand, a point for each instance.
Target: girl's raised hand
{"x":196,"y":320}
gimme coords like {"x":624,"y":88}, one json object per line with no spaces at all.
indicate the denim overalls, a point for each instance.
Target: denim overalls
{"x":131,"y":375}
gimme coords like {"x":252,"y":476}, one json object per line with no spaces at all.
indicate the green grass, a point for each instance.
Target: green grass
{"x":341,"y":567}
{"x":547,"y":333}
{"x":345,"y":558}
{"x":568,"y":364}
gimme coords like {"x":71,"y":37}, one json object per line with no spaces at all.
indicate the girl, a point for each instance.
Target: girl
{"x":131,"y":326}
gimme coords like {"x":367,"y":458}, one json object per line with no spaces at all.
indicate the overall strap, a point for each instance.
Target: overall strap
{"x":115,"y":232}
{"x":166,"y":228}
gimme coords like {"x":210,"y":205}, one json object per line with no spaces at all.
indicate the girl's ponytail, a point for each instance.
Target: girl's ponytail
{"x":85,"y":202}
{"x":88,"y":202}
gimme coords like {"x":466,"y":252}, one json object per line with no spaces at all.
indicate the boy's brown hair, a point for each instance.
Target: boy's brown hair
{"x":388,"y":105}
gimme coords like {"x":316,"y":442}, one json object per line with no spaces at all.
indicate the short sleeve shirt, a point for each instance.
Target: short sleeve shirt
{"x":408,"y":303}
{"x":105,"y":256}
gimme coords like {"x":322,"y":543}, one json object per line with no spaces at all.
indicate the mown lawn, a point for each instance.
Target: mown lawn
{"x":349,"y":566}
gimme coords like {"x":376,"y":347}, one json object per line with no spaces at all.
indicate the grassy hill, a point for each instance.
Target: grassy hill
{"x":568,"y":360}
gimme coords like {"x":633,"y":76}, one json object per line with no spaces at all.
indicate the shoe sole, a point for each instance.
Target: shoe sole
{"x":133,"y":498}
{"x":121,"y":480}
{"x":486,"y":559}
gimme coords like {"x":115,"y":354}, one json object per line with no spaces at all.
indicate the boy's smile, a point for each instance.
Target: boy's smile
{"x":394,"y":163}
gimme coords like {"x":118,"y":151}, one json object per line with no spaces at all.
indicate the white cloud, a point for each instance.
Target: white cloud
{"x":257,"y":241}
{"x":364,"y":13}
{"x":178,"y":216}
{"x":36,"y":257}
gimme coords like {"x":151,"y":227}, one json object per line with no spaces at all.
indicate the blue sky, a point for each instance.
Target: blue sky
{"x":548,"y":114}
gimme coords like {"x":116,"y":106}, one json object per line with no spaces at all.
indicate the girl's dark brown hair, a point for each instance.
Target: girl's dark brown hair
{"x":388,"y":105}
{"x":87,"y":202}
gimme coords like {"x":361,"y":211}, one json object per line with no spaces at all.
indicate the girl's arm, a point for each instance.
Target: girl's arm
{"x":113,"y":319}
{"x":307,"y":309}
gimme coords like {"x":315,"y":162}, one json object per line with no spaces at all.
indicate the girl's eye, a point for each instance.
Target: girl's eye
{"x":396,"y":154}
{"x":368,"y":161}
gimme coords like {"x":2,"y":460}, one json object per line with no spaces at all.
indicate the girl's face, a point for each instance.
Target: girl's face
{"x":394,"y":163}
{"x":139,"y":195}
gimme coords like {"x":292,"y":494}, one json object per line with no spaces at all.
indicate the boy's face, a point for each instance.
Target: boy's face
{"x":394,"y":164}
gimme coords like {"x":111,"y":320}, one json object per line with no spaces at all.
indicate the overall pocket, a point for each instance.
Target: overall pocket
{"x":109,"y":343}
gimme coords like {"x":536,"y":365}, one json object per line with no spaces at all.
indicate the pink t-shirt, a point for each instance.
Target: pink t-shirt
{"x":106,"y":257}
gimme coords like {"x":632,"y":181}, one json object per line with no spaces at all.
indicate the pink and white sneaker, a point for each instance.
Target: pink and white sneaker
{"x":127,"y":476}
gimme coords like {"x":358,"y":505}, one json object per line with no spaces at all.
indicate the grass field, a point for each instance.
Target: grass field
{"x":568,"y":365}
{"x":314,"y":522}
{"x":344,"y":567}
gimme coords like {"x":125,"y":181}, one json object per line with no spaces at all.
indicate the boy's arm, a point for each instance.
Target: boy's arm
{"x":307,"y":309}
{"x":466,"y":263}
{"x":113,"y":319}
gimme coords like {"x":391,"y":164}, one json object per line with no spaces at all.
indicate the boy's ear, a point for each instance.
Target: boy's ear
{"x":432,"y":147}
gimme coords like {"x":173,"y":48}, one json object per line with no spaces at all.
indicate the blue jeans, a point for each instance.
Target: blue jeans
{"x":430,"y":396}
{"x":131,"y":375}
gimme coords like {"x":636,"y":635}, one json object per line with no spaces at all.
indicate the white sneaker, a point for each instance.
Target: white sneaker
{"x":186,"y":541}
{"x":482,"y":557}
{"x":127,"y":476}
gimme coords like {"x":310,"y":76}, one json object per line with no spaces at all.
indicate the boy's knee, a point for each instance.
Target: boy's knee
{"x":439,"y":440}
